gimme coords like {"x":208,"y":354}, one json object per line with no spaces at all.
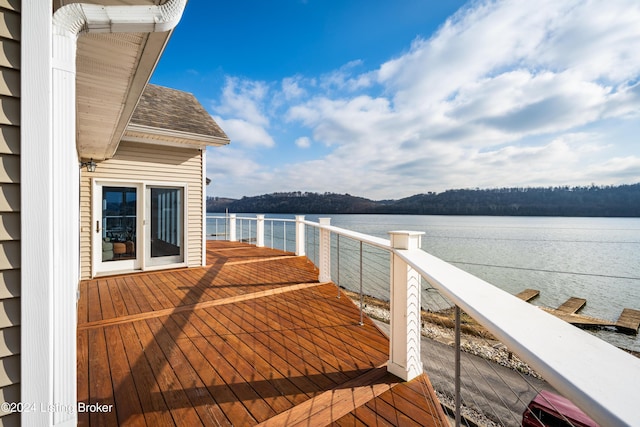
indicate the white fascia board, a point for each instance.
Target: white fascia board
{"x":153,"y":135}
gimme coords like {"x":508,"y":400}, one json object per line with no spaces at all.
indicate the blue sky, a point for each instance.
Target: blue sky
{"x":386,"y":99}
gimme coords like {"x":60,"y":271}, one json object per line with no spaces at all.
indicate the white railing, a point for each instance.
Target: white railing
{"x":276,"y":233}
{"x":598,"y":377}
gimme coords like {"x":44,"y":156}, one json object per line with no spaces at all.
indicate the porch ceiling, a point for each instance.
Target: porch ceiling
{"x":112,"y":70}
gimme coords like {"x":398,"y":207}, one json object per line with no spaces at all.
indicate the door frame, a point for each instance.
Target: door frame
{"x":143,"y":260}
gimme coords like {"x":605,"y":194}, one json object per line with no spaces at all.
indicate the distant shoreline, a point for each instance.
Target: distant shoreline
{"x":609,"y":202}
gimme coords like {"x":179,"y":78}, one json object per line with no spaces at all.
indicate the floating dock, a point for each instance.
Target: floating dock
{"x":572,"y":305}
{"x":528,"y":294}
{"x":628,"y":322}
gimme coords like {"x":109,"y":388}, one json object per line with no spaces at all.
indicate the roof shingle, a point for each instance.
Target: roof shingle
{"x":171,"y":109}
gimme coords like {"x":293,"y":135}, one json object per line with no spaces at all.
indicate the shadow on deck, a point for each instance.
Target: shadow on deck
{"x":251,"y":339}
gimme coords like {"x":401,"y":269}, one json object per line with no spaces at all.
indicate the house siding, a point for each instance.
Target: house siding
{"x":148,"y":163}
{"x":9,"y":207}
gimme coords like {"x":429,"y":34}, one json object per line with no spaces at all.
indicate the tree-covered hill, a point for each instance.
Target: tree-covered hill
{"x":294,"y":202}
{"x":618,"y":201}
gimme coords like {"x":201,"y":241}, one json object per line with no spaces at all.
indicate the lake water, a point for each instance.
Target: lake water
{"x":593,"y":258}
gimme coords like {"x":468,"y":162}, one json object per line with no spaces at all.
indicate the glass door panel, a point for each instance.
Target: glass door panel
{"x":166,"y":224}
{"x":119,"y":223}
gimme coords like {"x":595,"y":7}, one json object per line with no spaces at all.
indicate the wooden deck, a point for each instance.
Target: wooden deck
{"x":252,"y":339}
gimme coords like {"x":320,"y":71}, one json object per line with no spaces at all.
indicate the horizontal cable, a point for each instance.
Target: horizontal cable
{"x":546,"y":271}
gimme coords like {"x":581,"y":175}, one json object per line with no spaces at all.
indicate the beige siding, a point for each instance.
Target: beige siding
{"x":148,"y":163}
{"x":9,"y":207}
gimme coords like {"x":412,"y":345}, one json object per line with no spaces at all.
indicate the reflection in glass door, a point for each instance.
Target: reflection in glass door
{"x":166,"y":223}
{"x":119,"y":207}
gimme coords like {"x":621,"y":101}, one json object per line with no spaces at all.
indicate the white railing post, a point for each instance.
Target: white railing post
{"x":300,"y":238}
{"x":260,"y":231}
{"x":324,"y":254}
{"x":232,"y":228}
{"x":404,"y":348}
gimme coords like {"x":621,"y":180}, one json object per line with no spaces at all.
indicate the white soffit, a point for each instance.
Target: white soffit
{"x":112,"y":70}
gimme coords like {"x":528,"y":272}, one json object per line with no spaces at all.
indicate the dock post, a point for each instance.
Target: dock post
{"x":260,"y":231}
{"x":300,"y":238}
{"x":232,"y":228}
{"x":324,"y":261}
{"x":404,"y":351}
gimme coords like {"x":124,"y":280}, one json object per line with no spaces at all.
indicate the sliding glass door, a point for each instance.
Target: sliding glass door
{"x":137,"y":226}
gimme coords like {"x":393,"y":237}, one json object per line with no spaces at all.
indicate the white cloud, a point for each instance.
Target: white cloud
{"x":231,"y":169}
{"x":291,"y":88}
{"x":617,"y":170}
{"x":243,"y":99}
{"x":245,"y":133}
{"x":303,"y":142}
{"x":505,"y":93}
{"x":345,"y":78}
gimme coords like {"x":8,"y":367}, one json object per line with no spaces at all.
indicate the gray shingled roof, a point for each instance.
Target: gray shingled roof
{"x":171,"y":109}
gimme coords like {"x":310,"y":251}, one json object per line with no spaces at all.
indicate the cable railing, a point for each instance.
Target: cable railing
{"x":487,"y":353}
{"x":276,"y":233}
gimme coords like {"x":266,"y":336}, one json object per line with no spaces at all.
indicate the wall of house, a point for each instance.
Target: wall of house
{"x":9,"y":207}
{"x":145,"y":162}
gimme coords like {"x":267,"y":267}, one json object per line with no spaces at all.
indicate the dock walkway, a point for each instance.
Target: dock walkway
{"x":251,"y":339}
{"x":628,"y":322}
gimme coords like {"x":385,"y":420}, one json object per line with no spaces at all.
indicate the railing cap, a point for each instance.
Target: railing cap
{"x":404,"y":239}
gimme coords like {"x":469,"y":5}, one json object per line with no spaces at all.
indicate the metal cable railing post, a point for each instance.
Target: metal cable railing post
{"x":338,"y":262}
{"x":457,"y":369}
{"x":284,"y":236}
{"x":361,"y":294}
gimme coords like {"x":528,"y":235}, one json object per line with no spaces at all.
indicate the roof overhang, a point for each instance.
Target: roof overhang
{"x":157,"y":136}
{"x":112,"y":70}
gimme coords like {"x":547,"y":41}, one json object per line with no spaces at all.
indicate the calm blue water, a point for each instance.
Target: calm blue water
{"x":593,"y":258}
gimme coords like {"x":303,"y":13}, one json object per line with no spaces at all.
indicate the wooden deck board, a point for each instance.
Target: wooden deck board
{"x":250,"y":339}
{"x":222,"y":397}
{"x":152,"y":403}
{"x":572,"y":305}
{"x":128,"y":409}
{"x":83,"y":374}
